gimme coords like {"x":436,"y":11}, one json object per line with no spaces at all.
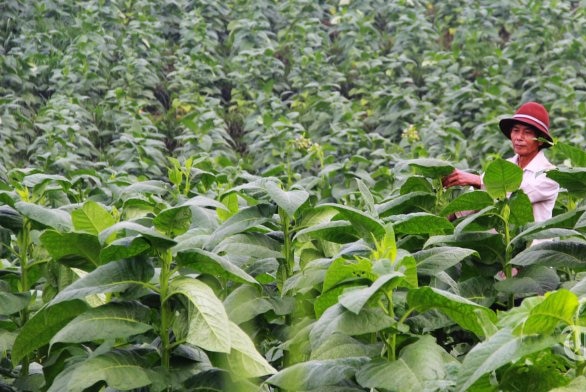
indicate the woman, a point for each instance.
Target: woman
{"x":525,"y":129}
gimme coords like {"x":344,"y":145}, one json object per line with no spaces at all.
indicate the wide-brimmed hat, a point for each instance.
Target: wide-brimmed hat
{"x":530,"y":113}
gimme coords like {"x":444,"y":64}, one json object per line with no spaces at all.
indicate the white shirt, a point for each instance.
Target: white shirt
{"x":541,"y":190}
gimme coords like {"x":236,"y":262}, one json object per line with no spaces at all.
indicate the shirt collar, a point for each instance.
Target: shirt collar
{"x":538,"y":163}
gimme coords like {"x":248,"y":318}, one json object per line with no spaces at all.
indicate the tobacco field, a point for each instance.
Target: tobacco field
{"x":245,"y":195}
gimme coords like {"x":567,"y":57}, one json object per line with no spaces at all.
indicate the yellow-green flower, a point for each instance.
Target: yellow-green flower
{"x":411,"y":134}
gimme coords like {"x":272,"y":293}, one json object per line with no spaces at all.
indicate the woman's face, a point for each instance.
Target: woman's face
{"x":524,"y":139}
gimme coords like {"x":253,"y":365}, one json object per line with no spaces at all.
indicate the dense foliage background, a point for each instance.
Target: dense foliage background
{"x":245,"y":195}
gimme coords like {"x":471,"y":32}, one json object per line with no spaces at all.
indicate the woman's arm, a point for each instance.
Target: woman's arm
{"x":461,"y":178}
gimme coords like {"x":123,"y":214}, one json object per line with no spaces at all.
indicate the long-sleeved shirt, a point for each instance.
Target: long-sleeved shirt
{"x":541,"y":190}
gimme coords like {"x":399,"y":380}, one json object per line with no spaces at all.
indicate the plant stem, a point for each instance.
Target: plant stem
{"x":392,"y":340}
{"x":439,"y":194}
{"x":576,"y":336}
{"x":289,"y":170}
{"x":287,"y":245}
{"x":578,"y":347}
{"x":286,"y":268}
{"x":166,"y":311}
{"x":508,"y":255}
{"x":23,"y":241}
{"x":390,"y":306}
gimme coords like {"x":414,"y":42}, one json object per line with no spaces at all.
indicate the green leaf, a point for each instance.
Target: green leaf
{"x":342,"y":270}
{"x":308,"y":280}
{"x":33,"y":180}
{"x":245,"y":303}
{"x":459,"y":309}
{"x":256,"y":245}
{"x":578,"y":384}
{"x":230,"y":206}
{"x":7,"y":195}
{"x":92,"y":218}
{"x":312,"y":217}
{"x":173,"y":221}
{"x":10,"y":218}
{"x":558,"y":307}
{"x":469,"y":201}
{"x":144,"y":187}
{"x":417,"y":184}
{"x":521,"y":209}
{"x":386,"y":247}
{"x":57,"y":219}
{"x":113,"y":277}
{"x":567,"y":220}
{"x":500,"y":349}
{"x":502,"y":177}
{"x":410,"y":202}
{"x":119,"y":369}
{"x":317,"y":375}
{"x":243,"y":220}
{"x":40,"y":328}
{"x":213,"y":380}
{"x":244,"y":361}
{"x":576,"y":155}
{"x":338,"y":319}
{"x":407,"y":265}
{"x":355,"y":299}
{"x":339,"y":232}
{"x":572,"y":179}
{"x":289,"y":201}
{"x":471,"y":219}
{"x":557,"y":254}
{"x":490,"y":246}
{"x":212,"y":264}
{"x":124,"y":248}
{"x":209,"y":327}
{"x":202,"y":219}
{"x":579,"y":287}
{"x":110,"y":321}
{"x":478,"y":289}
{"x":532,"y":280}
{"x":420,"y":223}
{"x":514,"y":317}
{"x":340,"y":346}
{"x":420,"y":366}
{"x":156,"y":239}
{"x":12,"y":303}
{"x":431,"y":168}
{"x":367,"y":197}
{"x":207,"y":202}
{"x":137,"y":208}
{"x":434,"y":260}
{"x":366,"y":226}
{"x":330,"y":297}
{"x":7,"y":339}
{"x":79,"y":250}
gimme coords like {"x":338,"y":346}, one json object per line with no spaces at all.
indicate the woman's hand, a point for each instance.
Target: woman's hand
{"x":461,"y":178}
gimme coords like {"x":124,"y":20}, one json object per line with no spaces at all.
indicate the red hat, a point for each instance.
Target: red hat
{"x":530,"y":113}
